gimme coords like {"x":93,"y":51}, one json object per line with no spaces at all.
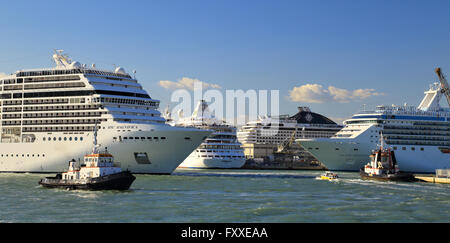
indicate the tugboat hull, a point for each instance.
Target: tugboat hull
{"x":118,"y":181}
{"x":405,"y":177}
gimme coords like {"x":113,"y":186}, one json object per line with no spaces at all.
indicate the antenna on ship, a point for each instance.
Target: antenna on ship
{"x":61,"y":59}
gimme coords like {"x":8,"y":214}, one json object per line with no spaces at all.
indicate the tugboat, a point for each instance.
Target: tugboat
{"x":98,"y":172}
{"x":383,"y":166}
{"x":330,"y":176}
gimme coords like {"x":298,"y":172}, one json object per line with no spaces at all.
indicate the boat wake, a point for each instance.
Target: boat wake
{"x":246,"y":175}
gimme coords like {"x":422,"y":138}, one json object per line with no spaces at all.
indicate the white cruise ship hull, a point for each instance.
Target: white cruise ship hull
{"x":205,"y":163}
{"x":351,"y":155}
{"x":139,"y":155}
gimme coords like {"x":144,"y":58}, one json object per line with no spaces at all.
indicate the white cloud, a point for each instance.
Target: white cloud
{"x":316,"y":93}
{"x":186,"y":83}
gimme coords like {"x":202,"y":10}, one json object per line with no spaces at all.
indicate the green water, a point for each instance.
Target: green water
{"x":228,"y":196}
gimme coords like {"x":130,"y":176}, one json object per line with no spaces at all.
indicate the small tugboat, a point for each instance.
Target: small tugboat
{"x":383,"y":166}
{"x":330,"y":176}
{"x":98,"y":172}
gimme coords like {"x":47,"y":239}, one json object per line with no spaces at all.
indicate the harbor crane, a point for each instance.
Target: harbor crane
{"x":444,"y":84}
{"x":287,"y":144}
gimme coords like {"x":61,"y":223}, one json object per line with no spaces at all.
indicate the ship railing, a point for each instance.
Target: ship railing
{"x":408,"y":110}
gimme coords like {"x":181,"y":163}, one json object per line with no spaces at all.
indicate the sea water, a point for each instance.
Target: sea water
{"x":199,"y":196}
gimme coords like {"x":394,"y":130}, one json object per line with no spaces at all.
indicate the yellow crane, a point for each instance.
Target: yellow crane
{"x":286,"y":144}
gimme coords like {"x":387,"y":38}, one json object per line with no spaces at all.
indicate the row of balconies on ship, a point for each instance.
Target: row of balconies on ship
{"x":417,"y":128}
{"x":112,"y":110}
{"x":43,"y":101}
{"x":53,"y":115}
{"x":237,"y":151}
{"x":219,"y":143}
{"x":418,"y":137}
{"x":416,"y":132}
{"x":223,"y":136}
{"x":80,"y":107}
{"x":44,"y":86}
{"x":219,"y":146}
{"x":51,"y":108}
{"x":95,"y":100}
{"x":424,"y":143}
{"x":59,"y":129}
{"x":50,"y":122}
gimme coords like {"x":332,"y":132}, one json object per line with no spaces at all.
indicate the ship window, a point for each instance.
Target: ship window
{"x":156,"y":138}
{"x":54,"y":138}
{"x":149,"y":138}
{"x":136,"y":137}
{"x":188,"y":138}
{"x":163,"y":137}
{"x":403,"y":148}
{"x":337,"y":148}
{"x":413,"y":148}
{"x":81,"y":138}
{"x":421,"y":149}
{"x":75,"y":138}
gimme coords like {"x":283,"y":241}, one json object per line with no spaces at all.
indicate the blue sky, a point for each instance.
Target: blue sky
{"x":388,"y":48}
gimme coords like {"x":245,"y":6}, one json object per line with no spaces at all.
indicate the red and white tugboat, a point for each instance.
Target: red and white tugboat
{"x":383,"y":166}
{"x":98,"y":172}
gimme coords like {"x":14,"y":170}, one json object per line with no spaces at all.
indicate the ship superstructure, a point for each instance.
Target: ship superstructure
{"x":219,"y":150}
{"x":420,"y":136}
{"x":261,"y":137}
{"x":48,"y":116}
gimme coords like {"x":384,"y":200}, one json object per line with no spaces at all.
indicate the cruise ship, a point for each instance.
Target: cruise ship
{"x":220,"y":150}
{"x":48,"y":117}
{"x":262,"y":136}
{"x":420,"y":136}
